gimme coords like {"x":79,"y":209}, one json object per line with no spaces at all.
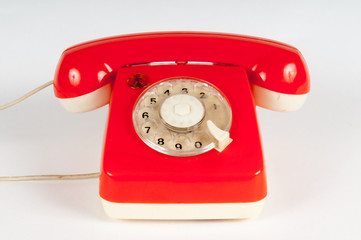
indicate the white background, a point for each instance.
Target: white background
{"x":313,"y":156}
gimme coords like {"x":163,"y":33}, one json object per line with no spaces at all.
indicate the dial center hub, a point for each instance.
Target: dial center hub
{"x":182,"y":112}
{"x":182,"y":109}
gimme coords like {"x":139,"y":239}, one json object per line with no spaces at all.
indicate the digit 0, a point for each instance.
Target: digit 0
{"x":198,"y":144}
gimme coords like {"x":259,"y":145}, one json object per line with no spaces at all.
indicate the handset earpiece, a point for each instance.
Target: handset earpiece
{"x":89,"y":101}
{"x":288,"y":89}
{"x":82,"y":87}
{"x":277,"y":101}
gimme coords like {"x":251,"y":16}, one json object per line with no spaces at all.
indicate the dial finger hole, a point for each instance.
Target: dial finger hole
{"x":183,"y":87}
{"x":201,"y":91}
{"x":149,"y":128}
{"x":181,"y":143}
{"x":200,"y":139}
{"x":213,"y":101}
{"x":217,"y":111}
{"x":164,"y":90}
{"x":163,"y":138}
{"x":145,"y":114}
{"x":151,"y":100}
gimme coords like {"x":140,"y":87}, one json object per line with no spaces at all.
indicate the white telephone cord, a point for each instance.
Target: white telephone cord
{"x":16,"y":101}
{"x":42,"y":177}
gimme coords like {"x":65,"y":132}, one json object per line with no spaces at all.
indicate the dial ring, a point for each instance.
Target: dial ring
{"x":191,"y":138}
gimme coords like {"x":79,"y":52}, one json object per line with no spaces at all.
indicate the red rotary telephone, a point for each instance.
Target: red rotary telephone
{"x":182,"y":139}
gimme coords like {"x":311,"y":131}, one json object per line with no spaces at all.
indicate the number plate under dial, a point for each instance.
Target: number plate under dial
{"x":174,"y":116}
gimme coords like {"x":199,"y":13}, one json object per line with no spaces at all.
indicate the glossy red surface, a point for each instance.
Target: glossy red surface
{"x":132,"y":172}
{"x":269,"y":64}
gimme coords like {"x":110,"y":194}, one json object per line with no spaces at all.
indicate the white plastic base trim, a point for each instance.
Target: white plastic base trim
{"x":277,"y":101}
{"x":182,"y":211}
{"x":88,"y":102}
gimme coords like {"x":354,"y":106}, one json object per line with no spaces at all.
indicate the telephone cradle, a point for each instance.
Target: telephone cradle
{"x":182,"y":139}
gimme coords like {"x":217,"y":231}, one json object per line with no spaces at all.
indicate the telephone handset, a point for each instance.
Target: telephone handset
{"x":182,"y":139}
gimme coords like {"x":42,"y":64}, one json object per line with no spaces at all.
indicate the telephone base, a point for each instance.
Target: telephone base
{"x":173,"y":211}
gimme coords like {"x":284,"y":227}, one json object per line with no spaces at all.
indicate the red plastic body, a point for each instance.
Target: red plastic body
{"x":269,"y":64}
{"x":134,"y":173}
